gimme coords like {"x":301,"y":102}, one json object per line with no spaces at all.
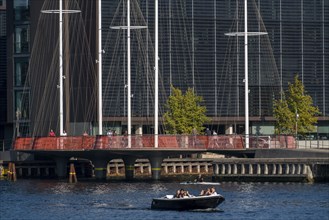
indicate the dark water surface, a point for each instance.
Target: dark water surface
{"x":53,"y":199}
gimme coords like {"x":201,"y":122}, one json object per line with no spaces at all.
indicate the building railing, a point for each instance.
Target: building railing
{"x":101,"y":142}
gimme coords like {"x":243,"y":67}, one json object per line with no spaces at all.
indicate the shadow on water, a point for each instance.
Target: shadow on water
{"x":210,"y":210}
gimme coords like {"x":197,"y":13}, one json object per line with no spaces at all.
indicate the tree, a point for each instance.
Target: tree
{"x":184,"y":114}
{"x":295,"y":112}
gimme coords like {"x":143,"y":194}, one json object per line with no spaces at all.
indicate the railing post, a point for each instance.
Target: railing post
{"x":266,"y":169}
{"x":215,"y":167}
{"x":223,"y":169}
{"x":258,"y":169}
{"x":293,"y":169}
{"x":287,"y":168}
{"x":235,"y":169}
{"x":274,"y":169}
{"x":280,"y":169}
{"x":299,"y":169}
{"x":251,"y":170}
{"x":243,"y":170}
{"x":229,"y":168}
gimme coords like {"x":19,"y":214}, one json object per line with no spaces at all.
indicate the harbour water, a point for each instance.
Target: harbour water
{"x":54,"y":199}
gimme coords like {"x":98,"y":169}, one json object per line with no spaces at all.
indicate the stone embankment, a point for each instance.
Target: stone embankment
{"x":271,"y":169}
{"x":221,"y":169}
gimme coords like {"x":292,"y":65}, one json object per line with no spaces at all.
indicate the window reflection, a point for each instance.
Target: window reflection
{"x":22,"y":104}
{"x":22,"y":39}
{"x":21,"y":10}
{"x":21,"y":68}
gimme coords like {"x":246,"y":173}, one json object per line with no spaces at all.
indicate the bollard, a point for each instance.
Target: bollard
{"x":73,"y":175}
{"x":2,"y":169}
{"x":9,"y":176}
{"x":13,"y":171}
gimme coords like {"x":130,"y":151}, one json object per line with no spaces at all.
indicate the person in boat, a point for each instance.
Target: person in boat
{"x":213,"y":191}
{"x":208,"y":192}
{"x":186,"y":194}
{"x":181,"y":193}
{"x":199,"y":179}
{"x":177,"y":195}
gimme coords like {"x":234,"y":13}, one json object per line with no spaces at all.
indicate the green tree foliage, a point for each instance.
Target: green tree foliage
{"x":295,"y":107}
{"x":184,"y":114}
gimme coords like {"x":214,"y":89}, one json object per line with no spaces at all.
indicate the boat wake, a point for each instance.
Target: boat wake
{"x":206,"y":210}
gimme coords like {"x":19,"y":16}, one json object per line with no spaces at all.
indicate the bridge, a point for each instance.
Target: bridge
{"x":101,"y":149}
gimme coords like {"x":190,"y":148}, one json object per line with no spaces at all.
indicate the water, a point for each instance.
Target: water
{"x":53,"y":199}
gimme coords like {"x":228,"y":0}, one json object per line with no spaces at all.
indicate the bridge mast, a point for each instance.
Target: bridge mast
{"x":100,"y":51}
{"x":60,"y":11}
{"x":61,"y":111}
{"x":156,"y":93}
{"x":128,"y":86}
{"x":246,"y":87}
{"x":128,"y":73}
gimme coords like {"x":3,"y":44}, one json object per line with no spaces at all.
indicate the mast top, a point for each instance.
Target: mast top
{"x":242,"y":34}
{"x":57,"y":11}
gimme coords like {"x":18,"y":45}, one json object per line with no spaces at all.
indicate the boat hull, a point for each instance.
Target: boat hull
{"x":199,"y":202}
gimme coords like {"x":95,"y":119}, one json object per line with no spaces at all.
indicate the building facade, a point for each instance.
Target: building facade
{"x":194,"y":51}
{"x":3,"y":69}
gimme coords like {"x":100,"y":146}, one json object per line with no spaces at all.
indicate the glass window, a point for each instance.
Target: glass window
{"x":22,"y":39}
{"x":21,"y":10}
{"x":21,"y":68}
{"x":22,"y":109}
{"x":24,"y":129}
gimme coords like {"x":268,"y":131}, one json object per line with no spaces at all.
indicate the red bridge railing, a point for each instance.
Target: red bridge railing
{"x":147,"y":141}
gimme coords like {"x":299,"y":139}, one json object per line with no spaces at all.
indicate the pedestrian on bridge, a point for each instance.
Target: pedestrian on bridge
{"x":52,"y":133}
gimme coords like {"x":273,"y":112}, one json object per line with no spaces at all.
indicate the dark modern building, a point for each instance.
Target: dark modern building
{"x":194,"y":51}
{"x":3,"y":71}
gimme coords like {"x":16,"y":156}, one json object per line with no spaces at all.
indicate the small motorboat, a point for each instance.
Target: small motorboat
{"x":189,"y":203}
{"x":200,"y":183}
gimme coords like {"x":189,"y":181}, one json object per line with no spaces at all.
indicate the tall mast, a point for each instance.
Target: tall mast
{"x":129,"y":73}
{"x":246,"y":88}
{"x":60,"y":11}
{"x":156,"y":93}
{"x":61,"y":111}
{"x":100,"y":51}
{"x":128,"y":27}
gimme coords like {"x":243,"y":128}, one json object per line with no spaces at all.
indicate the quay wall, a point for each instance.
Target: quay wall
{"x":271,"y":169}
{"x":223,"y":169}
{"x":173,"y":166}
{"x":115,"y":168}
